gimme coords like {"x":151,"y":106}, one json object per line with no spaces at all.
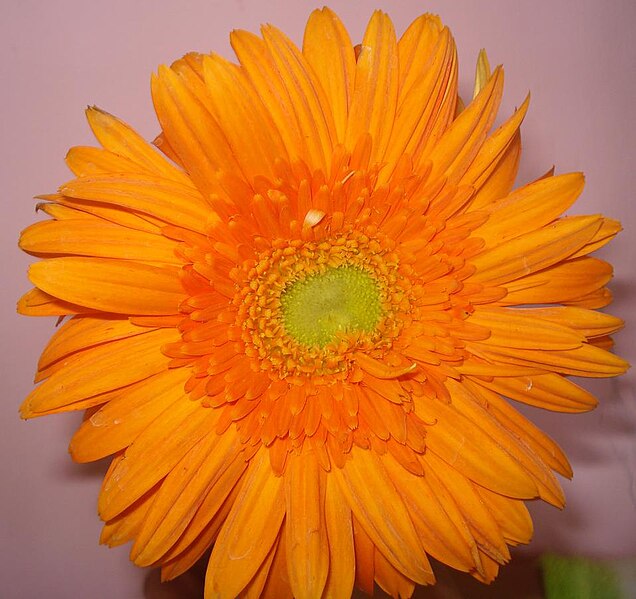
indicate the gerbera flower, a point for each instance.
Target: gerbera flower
{"x":299,"y":329}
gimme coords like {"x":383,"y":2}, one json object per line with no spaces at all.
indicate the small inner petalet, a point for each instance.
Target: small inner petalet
{"x":320,"y":307}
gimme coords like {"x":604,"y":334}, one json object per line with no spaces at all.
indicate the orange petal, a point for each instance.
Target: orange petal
{"x":111,"y":213}
{"x":127,"y":525}
{"x":328,"y":49}
{"x":560,"y":283}
{"x":534,"y":251}
{"x":212,"y":512}
{"x":459,"y":145}
{"x":163,"y":445}
{"x":117,"y":424}
{"x":341,"y":575}
{"x":502,"y":177}
{"x":38,"y":303}
{"x":483,"y":526}
{"x":247,"y":124}
{"x":378,"y":507}
{"x":120,"y":139}
{"x":249,"y":531}
{"x":438,"y":532}
{"x":462,"y":443}
{"x":180,"y":495}
{"x":120,"y":363}
{"x":548,"y":391}
{"x":529,"y":208}
{"x":183,"y":556}
{"x":588,"y":322}
{"x":118,"y":286}
{"x":305,"y":529}
{"x":84,"y":237}
{"x":586,"y":360}
{"x":86,"y":161}
{"x":391,"y":580}
{"x":307,"y":98}
{"x":375,"y":91}
{"x":191,"y":130}
{"x":511,"y":515}
{"x":494,"y":149}
{"x":426,"y":101}
{"x":265,"y":79}
{"x":518,"y":329}
{"x":544,"y":447}
{"x":82,"y":332}
{"x":163,"y":199}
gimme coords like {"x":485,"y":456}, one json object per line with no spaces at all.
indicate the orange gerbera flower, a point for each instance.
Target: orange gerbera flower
{"x":296,"y":335}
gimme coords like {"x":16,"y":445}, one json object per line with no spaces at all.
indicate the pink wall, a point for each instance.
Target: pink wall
{"x":577,"y":58}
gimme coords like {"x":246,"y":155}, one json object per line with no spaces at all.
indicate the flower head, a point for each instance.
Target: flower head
{"x":298,"y":330}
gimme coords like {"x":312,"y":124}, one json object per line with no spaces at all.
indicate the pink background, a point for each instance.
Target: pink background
{"x":577,"y":57}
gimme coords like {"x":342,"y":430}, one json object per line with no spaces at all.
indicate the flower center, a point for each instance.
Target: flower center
{"x":317,"y":308}
{"x":304,"y":307}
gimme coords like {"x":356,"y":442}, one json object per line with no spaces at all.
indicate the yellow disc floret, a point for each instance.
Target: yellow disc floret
{"x":318,"y":308}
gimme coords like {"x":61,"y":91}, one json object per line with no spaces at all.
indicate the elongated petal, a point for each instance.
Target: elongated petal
{"x":86,"y":161}
{"x":247,"y":124}
{"x":127,"y":525}
{"x":607,"y":231}
{"x":375,"y":91}
{"x":517,"y":424}
{"x":181,"y":494}
{"x":96,"y":238}
{"x":588,"y":322}
{"x":437,"y":531}
{"x":117,"y":424}
{"x":249,"y":532}
{"x":266,"y":82}
{"x":564,"y":282}
{"x":309,"y":102}
{"x":377,"y":505}
{"x":307,"y":545}
{"x":512,"y":516}
{"x":427,"y":61}
{"x":38,"y":303}
{"x":124,"y":362}
{"x":389,"y":579}
{"x":184,"y":555}
{"x":473,"y":406}
{"x":535,"y":251}
{"x":191,"y":130}
{"x":549,"y":391}
{"x":518,"y":329}
{"x":111,"y":213}
{"x":502,"y":176}
{"x":462,"y":443}
{"x":586,"y":360}
{"x":482,"y":72}
{"x":494,"y":149}
{"x":163,"y":445}
{"x":256,"y":586}
{"x":328,"y":49}
{"x":459,"y":145}
{"x":110,"y":285}
{"x":82,"y":332}
{"x":166,"y":200}
{"x":120,"y":139}
{"x":213,"y":511}
{"x":481,"y":523}
{"x":341,"y":575}
{"x":530,"y":207}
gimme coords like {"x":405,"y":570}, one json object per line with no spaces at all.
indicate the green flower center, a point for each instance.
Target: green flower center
{"x":320,"y":307}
